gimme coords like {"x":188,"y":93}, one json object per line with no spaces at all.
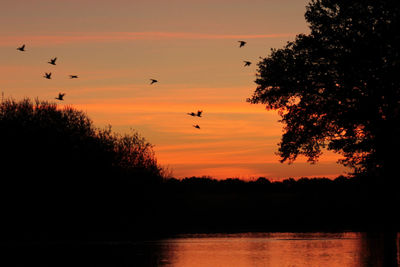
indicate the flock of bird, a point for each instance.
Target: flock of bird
{"x":199,"y":112}
{"x":60,"y":97}
{"x":47,"y":75}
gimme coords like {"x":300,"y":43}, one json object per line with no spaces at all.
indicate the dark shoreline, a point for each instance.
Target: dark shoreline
{"x":203,"y":205}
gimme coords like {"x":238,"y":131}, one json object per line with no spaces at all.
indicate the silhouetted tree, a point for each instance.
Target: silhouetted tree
{"x":41,"y":136}
{"x":61,"y":172}
{"x":338,"y":87}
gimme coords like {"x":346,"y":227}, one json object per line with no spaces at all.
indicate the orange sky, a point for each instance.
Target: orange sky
{"x":189,"y":46}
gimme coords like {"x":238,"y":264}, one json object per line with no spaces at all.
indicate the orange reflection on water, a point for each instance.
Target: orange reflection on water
{"x":274,"y":249}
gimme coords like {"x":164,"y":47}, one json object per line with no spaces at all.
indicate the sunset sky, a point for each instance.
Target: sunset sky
{"x":190,"y":46}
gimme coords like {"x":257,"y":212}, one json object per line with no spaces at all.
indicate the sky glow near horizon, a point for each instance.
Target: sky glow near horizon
{"x":190,"y":47}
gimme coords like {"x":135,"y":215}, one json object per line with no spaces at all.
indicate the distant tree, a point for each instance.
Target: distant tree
{"x":53,"y":153}
{"x":132,"y":154}
{"x":40,"y":136}
{"x":338,"y":87}
{"x":58,"y":171}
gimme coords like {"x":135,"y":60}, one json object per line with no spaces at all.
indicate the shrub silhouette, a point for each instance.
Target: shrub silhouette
{"x":58,"y":169}
{"x":45,"y":138}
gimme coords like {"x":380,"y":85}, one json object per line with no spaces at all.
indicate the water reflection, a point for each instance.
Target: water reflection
{"x":232,"y":250}
{"x":274,"y":249}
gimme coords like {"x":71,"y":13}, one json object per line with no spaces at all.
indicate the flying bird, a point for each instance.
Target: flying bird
{"x":60,"y":96}
{"x":247,"y":63}
{"x":73,"y":76}
{"x":22,"y":48}
{"x":196,"y":126}
{"x":153,"y":81}
{"x":199,"y":113}
{"x":192,"y":114}
{"x":242,"y":43}
{"x":52,"y":61}
{"x":47,"y":75}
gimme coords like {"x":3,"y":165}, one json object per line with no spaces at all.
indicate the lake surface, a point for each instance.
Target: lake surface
{"x":267,"y":249}
{"x":219,"y":250}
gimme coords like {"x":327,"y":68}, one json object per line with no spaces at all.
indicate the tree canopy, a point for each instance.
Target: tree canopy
{"x":338,"y":87}
{"x":60,"y":174}
{"x":38,"y":137}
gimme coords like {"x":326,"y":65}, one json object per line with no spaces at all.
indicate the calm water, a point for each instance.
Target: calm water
{"x":219,"y":250}
{"x":266,"y":249}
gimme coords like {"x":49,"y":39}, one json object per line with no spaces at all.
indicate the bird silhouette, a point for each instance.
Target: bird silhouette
{"x":199,"y":113}
{"x":73,"y":76}
{"x":247,"y":63}
{"x":47,"y":75}
{"x":52,"y":61}
{"x":192,"y":114}
{"x":153,"y":81}
{"x":196,"y":126}
{"x":60,"y":96}
{"x":22,"y":48}
{"x":242,"y":43}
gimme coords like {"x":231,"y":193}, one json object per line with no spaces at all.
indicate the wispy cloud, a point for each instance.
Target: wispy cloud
{"x":124,"y":106}
{"x":242,"y":151}
{"x":90,"y":37}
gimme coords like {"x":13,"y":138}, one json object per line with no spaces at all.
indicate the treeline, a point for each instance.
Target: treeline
{"x":40,"y":140}
{"x":65,"y":180}
{"x":203,"y":204}
{"x":61,"y":176}
{"x":263,"y":184}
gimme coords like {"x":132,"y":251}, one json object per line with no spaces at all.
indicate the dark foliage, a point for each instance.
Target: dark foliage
{"x":41,"y":140}
{"x":61,"y":174}
{"x":203,"y":204}
{"x":338,"y":87}
{"x":65,"y":181}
